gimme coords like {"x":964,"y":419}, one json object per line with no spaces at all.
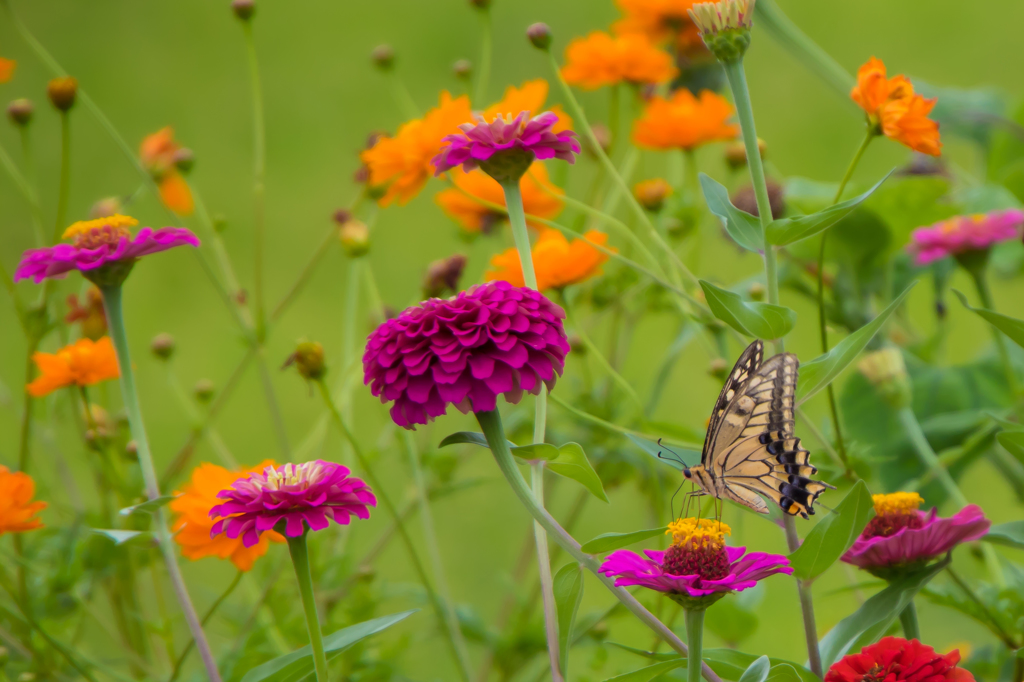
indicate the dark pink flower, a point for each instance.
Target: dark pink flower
{"x":964,"y":233}
{"x":504,"y":149}
{"x":494,"y":339}
{"x":900,"y":535}
{"x":98,"y":243}
{"x":296,"y":494}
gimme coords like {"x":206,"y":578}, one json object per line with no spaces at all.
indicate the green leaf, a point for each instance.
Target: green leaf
{"x":760,"y":320}
{"x":608,"y":542}
{"x":784,"y":672}
{"x":744,"y":228}
{"x":1010,"y":534}
{"x":688,"y":457}
{"x":1010,"y":326}
{"x":649,"y":673}
{"x":119,"y":536}
{"x":1013,"y":442}
{"x":731,"y":664}
{"x":466,"y":437}
{"x":147,"y":507}
{"x":568,"y":591}
{"x":758,"y":671}
{"x":909,"y":202}
{"x":788,"y":230}
{"x":535,"y":451}
{"x":299,"y":663}
{"x":731,"y":622}
{"x":834,"y":534}
{"x":572,"y":463}
{"x":874,"y":618}
{"x":821,"y":371}
{"x":542,"y":451}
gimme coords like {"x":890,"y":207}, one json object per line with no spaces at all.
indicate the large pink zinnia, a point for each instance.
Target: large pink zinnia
{"x":299,"y":495}
{"x":902,"y":536}
{"x":494,"y":339}
{"x":964,"y":233}
{"x":99,"y":243}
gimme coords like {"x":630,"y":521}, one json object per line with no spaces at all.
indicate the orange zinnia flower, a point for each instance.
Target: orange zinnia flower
{"x":684,"y":121}
{"x":659,"y":20}
{"x":460,"y":202}
{"x":894,"y":110}
{"x":192,"y":522}
{"x":7,"y":69}
{"x":403,"y":162}
{"x":530,"y":96}
{"x":17,"y":511}
{"x":159,"y":155}
{"x":601,"y":59}
{"x":83,"y":363}
{"x":557,"y":262}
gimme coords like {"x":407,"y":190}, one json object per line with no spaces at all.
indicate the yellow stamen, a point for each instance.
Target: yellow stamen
{"x":708,"y":532}
{"x":115,"y":221}
{"x":897,"y":503}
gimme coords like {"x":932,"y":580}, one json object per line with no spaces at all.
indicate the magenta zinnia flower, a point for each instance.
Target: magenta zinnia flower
{"x":504,"y":149}
{"x":900,"y":537}
{"x":101,"y":243}
{"x":698,"y":568}
{"x":964,"y":233}
{"x":312,"y":492}
{"x":494,"y":339}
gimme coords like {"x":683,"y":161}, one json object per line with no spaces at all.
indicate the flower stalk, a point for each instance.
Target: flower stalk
{"x":300,"y":560}
{"x":695,"y":642}
{"x":985,"y":295}
{"x":65,"y":176}
{"x":259,"y":179}
{"x":908,"y":619}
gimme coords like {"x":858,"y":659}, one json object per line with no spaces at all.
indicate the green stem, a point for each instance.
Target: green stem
{"x":305,"y":274}
{"x":115,"y":319}
{"x":490,"y":424}
{"x":65,"y":177}
{"x":300,"y":559}
{"x":695,"y":641}
{"x":993,"y":622}
{"x":276,"y":418}
{"x":806,"y":602}
{"x":259,"y":179}
{"x":483,"y":73}
{"x":615,"y":428}
{"x":30,"y":178}
{"x":985,"y":294}
{"x":209,"y":614}
{"x":908,"y":619}
{"x":402,"y":97}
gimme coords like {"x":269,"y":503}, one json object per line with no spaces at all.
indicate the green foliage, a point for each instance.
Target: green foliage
{"x":1012,"y":327}
{"x":834,"y":534}
{"x":1010,"y":534}
{"x":607,"y":542}
{"x":568,"y":591}
{"x":758,"y":671}
{"x":788,"y":230}
{"x":759,"y":320}
{"x":744,"y":228}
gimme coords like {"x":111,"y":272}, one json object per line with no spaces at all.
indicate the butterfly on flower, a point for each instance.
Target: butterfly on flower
{"x":750,"y":451}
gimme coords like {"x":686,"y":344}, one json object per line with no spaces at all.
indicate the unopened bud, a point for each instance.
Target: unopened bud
{"x":443,"y":275}
{"x":756,"y":291}
{"x":736,"y":153}
{"x":106,"y":207}
{"x":718,"y":368}
{"x":462,"y":69}
{"x":652,"y":193}
{"x":725,"y":27}
{"x":132,"y":449}
{"x":355,"y":238}
{"x":308,"y":358}
{"x":540,"y":35}
{"x":243,"y":9}
{"x":383,"y":57}
{"x":342,"y":216}
{"x":886,"y":370}
{"x":20,"y":111}
{"x":62,"y":92}
{"x":184,"y":159}
{"x":745,"y":199}
{"x":162,"y":346}
{"x":203,"y":390}
{"x":576,"y":345}
{"x":599,"y":631}
{"x":603,"y":136}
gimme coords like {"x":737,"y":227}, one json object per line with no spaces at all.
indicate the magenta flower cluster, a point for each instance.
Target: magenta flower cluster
{"x":964,"y":233}
{"x":480,"y":141}
{"x":494,"y":339}
{"x":300,"y":495}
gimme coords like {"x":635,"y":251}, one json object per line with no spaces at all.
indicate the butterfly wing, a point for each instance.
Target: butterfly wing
{"x":746,"y":366}
{"x":755,"y":451}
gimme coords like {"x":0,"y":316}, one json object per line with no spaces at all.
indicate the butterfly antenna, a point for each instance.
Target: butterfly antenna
{"x":675,"y":457}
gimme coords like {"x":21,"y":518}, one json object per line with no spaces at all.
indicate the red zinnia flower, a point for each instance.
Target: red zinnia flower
{"x":894,"y":659}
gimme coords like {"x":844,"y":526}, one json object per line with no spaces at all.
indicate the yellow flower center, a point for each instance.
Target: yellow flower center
{"x":289,"y":475}
{"x":692,"y":532}
{"x":897,"y":504}
{"x":117,"y":222}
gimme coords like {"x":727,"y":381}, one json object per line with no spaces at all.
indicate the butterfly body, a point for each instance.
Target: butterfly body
{"x":750,"y":451}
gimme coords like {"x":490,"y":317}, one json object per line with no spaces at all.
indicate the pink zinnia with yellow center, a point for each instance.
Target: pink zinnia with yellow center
{"x":964,"y":233}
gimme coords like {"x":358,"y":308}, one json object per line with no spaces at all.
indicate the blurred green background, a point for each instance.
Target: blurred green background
{"x":148,"y":65}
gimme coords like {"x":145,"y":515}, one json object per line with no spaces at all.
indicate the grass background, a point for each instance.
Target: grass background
{"x":183,"y":64}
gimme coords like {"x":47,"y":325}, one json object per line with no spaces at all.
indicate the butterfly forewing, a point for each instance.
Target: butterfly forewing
{"x":744,"y":368}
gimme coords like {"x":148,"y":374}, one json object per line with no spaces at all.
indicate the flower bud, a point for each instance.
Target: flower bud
{"x":62,"y":92}
{"x":162,"y":346}
{"x":355,"y":238}
{"x":756,"y":292}
{"x":540,"y":35}
{"x":725,"y":27}
{"x":20,"y":111}
{"x":462,"y":69}
{"x":106,"y":207}
{"x":652,"y":193}
{"x":718,"y":368}
{"x":308,"y":358}
{"x":745,"y":199}
{"x":342,"y":216}
{"x":576,"y":345}
{"x":203,"y":390}
{"x":383,"y":57}
{"x":243,"y":9}
{"x":184,"y":159}
{"x":443,"y":275}
{"x":736,"y":153}
{"x":887,"y":373}
{"x":603,"y":136}
{"x":361,"y":176}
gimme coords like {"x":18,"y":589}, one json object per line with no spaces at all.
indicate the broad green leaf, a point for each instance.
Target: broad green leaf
{"x":572,"y":463}
{"x":650,"y":672}
{"x":119,"y":536}
{"x":147,"y":507}
{"x":1010,"y":534}
{"x":535,"y":451}
{"x":1010,"y":326}
{"x":673,"y":456}
{"x":731,"y":621}
{"x":1013,"y":441}
{"x":544,"y":451}
{"x":470,"y":437}
{"x":760,"y":320}
{"x":664,"y":656}
{"x":834,"y":534}
{"x":821,"y":371}
{"x":784,"y":672}
{"x":873,"y":619}
{"x":744,"y":228}
{"x":731,"y":664}
{"x":608,"y":542}
{"x":758,"y":671}
{"x":788,"y":230}
{"x":568,"y":591}
{"x":909,"y":202}
{"x":299,"y":664}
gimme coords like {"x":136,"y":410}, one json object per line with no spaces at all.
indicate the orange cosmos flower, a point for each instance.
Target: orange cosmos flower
{"x":684,"y":121}
{"x":403,"y":162}
{"x":7,"y":69}
{"x":557,"y":262}
{"x":462,"y":205}
{"x":192,"y":522}
{"x":894,"y":110}
{"x":17,"y":511}
{"x":83,"y":363}
{"x":659,"y":20}
{"x":601,"y":59}
{"x":160,"y":154}
{"x":530,"y":96}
